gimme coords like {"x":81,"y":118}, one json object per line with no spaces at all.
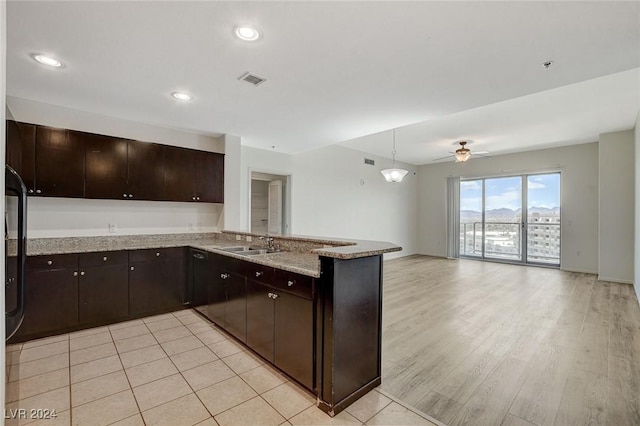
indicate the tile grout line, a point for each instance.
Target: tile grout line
{"x":127,"y":377}
{"x":179,"y":372}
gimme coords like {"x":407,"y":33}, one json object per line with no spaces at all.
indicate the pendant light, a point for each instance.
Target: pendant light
{"x":394,"y":175}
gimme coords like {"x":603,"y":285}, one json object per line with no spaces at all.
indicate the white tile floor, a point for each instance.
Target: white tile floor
{"x":173,"y":369}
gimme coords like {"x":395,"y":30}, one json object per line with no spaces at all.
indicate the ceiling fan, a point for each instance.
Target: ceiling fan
{"x":462,"y":154}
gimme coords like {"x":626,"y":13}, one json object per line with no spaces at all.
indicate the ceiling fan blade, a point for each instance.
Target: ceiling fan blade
{"x":442,"y":158}
{"x":480,"y":152}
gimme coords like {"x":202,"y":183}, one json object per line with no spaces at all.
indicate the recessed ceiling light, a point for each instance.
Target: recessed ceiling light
{"x":182,"y":96}
{"x":247,"y":33}
{"x":47,"y":60}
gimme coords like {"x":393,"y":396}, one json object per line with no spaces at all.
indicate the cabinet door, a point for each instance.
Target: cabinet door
{"x":21,"y":140}
{"x":216,"y":294}
{"x":59,"y":163}
{"x":179,"y":176}
{"x":103,"y":294}
{"x":106,"y":166}
{"x":156,"y":286}
{"x":144,"y":295}
{"x":260,"y":322}
{"x":145,"y":171}
{"x":209,"y":178}
{"x":294,"y":337}
{"x":235,"y":314}
{"x":51,"y":301}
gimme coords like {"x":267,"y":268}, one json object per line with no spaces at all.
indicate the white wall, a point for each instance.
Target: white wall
{"x":579,"y":167}
{"x":232,"y":183}
{"x":636,"y":262}
{"x":336,"y":195}
{"x":52,"y":217}
{"x":617,"y":202}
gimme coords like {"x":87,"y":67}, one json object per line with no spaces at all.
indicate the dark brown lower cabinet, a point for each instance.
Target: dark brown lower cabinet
{"x":235,"y":308}
{"x":216,"y":293}
{"x":51,"y":295}
{"x":157,"y":280}
{"x":260,"y":319}
{"x":293,"y":331}
{"x":280,"y":329}
{"x":103,"y":290}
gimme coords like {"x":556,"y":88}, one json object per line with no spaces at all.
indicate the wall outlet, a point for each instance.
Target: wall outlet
{"x":248,"y":238}
{"x":113,"y":228}
{"x":238,"y":237}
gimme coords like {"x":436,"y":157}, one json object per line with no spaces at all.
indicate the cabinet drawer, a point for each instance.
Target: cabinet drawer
{"x":103,"y":258}
{"x":257,"y":272}
{"x":54,"y":261}
{"x":291,"y":282}
{"x":149,"y":255}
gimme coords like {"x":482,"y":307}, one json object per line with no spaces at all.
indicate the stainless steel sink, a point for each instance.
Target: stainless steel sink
{"x":247,"y":250}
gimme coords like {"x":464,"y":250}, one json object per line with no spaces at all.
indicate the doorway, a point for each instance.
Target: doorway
{"x":513,"y":219}
{"x":269,"y":195}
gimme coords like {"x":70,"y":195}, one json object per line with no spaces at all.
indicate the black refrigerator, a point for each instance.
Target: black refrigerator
{"x":15,"y":232}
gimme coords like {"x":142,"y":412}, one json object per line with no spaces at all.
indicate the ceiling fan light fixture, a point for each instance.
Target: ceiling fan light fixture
{"x":463,"y":153}
{"x":394,"y":175}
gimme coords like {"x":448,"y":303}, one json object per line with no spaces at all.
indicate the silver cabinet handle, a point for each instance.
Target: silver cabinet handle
{"x":124,"y":195}
{"x":197,"y":198}
{"x":130,"y":195}
{"x":290,"y":283}
{"x":158,"y":254}
{"x":104,"y":259}
{"x":193,"y":198}
{"x":133,"y":267}
{"x":49,"y":262}
{"x":31,"y":191}
{"x":82,"y":273}
{"x":75,"y":273}
{"x":224,"y":276}
{"x":38,"y":191}
{"x":274,"y":296}
{"x":259,"y":273}
{"x":270,"y":295}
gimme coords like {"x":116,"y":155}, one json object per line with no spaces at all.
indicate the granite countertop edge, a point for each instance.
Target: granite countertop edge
{"x":292,"y":261}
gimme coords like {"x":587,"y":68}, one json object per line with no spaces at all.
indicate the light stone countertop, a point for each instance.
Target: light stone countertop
{"x":300,"y":254}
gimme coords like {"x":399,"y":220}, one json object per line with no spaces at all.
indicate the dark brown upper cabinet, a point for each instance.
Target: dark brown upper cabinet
{"x":21,"y":152}
{"x":59,"y":162}
{"x":145,"y":171}
{"x":66,"y":163}
{"x":209,"y":178}
{"x":191,"y":175}
{"x":179,"y":174}
{"x":106,"y":166}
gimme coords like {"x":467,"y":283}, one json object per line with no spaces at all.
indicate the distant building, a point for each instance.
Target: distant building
{"x":502,"y":238}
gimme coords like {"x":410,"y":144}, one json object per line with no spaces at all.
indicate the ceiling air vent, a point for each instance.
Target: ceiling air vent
{"x":369,"y":162}
{"x":252,"y":78}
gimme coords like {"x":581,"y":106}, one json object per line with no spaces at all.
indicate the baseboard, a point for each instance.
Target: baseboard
{"x":615,"y":280}
{"x":580,"y":271}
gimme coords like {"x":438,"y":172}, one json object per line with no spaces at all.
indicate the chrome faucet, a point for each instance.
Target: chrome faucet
{"x":268,"y":242}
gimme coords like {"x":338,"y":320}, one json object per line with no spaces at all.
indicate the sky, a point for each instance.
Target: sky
{"x":543,"y":191}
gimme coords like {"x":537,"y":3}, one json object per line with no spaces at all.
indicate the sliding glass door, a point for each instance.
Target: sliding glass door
{"x":543,"y":218}
{"x":514,"y":219}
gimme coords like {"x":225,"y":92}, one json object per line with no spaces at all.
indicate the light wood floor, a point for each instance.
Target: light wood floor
{"x":479,"y":343}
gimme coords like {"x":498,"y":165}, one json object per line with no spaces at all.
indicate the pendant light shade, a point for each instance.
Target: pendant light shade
{"x":394,"y":175}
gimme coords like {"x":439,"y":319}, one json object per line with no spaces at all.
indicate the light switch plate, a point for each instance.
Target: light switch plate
{"x":113,"y":228}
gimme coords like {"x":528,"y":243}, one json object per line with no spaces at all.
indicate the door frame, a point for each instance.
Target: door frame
{"x":286,"y":195}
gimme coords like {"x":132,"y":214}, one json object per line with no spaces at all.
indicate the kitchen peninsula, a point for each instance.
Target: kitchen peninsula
{"x":309,"y":306}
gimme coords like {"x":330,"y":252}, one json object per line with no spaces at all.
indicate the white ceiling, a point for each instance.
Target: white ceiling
{"x":338,"y":71}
